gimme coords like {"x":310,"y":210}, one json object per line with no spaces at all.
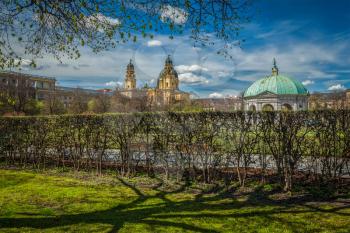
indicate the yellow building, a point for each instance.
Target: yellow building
{"x":165,"y":93}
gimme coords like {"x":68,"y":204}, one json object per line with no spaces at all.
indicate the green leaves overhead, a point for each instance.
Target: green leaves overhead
{"x":60,"y":28}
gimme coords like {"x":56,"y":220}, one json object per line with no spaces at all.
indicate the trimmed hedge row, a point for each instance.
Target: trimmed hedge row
{"x":191,"y":145}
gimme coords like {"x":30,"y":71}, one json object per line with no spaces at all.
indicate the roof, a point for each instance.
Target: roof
{"x":72,"y":89}
{"x":276,"y":84}
{"x":168,"y":69}
{"x":130,"y":65}
{"x":31,"y":76}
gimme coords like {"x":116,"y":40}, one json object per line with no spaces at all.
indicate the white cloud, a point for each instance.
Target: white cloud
{"x":197,"y":49}
{"x":289,"y":59}
{"x":215,"y":95}
{"x":22,"y":62}
{"x":336,"y":87}
{"x":282,"y":28}
{"x":190,"y":68}
{"x":190,"y":78}
{"x":222,"y":74}
{"x":154,"y":43}
{"x":99,"y":22}
{"x":307,"y":82}
{"x":300,"y":59}
{"x":175,"y":14}
{"x":100,"y":18}
{"x":113,"y":84}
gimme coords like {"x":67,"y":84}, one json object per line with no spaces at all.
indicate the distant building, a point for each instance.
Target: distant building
{"x":165,"y":93}
{"x":129,"y":90}
{"x":333,"y":100}
{"x":39,"y":86}
{"x":276,"y":92}
{"x":66,"y":94}
{"x":220,"y":104}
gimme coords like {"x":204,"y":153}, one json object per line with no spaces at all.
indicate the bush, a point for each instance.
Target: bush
{"x":203,"y":146}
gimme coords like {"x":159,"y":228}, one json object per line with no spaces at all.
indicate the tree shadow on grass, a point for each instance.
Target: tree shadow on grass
{"x":8,"y":180}
{"x":163,"y":213}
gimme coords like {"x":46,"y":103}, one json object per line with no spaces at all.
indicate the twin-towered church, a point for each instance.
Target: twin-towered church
{"x":167,"y":89}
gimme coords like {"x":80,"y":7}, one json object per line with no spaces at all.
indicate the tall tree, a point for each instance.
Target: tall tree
{"x":100,"y":104}
{"x":17,"y":94}
{"x":53,"y":105}
{"x":79,"y":103}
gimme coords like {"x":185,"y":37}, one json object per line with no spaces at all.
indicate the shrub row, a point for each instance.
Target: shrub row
{"x":190,"y":145}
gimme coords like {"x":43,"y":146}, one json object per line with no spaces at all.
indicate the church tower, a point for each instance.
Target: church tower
{"x":130,"y":80}
{"x":168,"y":78}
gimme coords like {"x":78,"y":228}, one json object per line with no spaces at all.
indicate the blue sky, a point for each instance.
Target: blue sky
{"x":309,"y":38}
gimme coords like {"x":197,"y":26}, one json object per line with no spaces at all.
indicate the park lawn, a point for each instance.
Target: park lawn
{"x":53,"y":201}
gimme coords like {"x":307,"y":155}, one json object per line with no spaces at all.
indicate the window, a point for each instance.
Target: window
{"x":252,"y":108}
{"x":41,"y":96}
{"x":287,"y":107}
{"x":39,"y":84}
{"x":267,"y":107}
{"x":46,"y":85}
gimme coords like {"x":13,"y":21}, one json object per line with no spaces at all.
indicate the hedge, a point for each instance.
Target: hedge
{"x":198,"y":145}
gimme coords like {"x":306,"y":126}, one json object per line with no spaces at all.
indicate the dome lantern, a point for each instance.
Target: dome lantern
{"x":130,"y":65}
{"x":274,"y":68}
{"x":168,"y":61}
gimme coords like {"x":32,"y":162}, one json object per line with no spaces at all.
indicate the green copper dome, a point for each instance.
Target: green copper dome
{"x":276,"y":84}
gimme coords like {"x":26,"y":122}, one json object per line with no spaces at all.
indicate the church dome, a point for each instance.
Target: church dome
{"x":276,"y":84}
{"x":168,"y":78}
{"x":168,"y":69}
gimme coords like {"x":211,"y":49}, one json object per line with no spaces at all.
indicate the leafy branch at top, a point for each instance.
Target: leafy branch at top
{"x":30,"y":28}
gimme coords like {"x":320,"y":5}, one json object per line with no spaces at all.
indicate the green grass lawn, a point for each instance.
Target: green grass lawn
{"x":67,"y":202}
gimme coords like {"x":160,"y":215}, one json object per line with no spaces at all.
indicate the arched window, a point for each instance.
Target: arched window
{"x":252,"y":108}
{"x":267,"y":107}
{"x":287,"y":107}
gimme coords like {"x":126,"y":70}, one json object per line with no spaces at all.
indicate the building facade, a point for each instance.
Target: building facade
{"x":333,"y":100}
{"x":273,"y":92}
{"x":34,"y":86}
{"x":220,"y":104}
{"x":41,"y":88}
{"x":165,"y":93}
{"x":276,"y":92}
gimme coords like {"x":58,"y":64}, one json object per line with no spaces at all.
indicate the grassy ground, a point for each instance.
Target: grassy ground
{"x":67,"y":202}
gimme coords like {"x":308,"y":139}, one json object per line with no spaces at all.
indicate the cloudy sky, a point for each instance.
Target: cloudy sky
{"x":310,"y":40}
